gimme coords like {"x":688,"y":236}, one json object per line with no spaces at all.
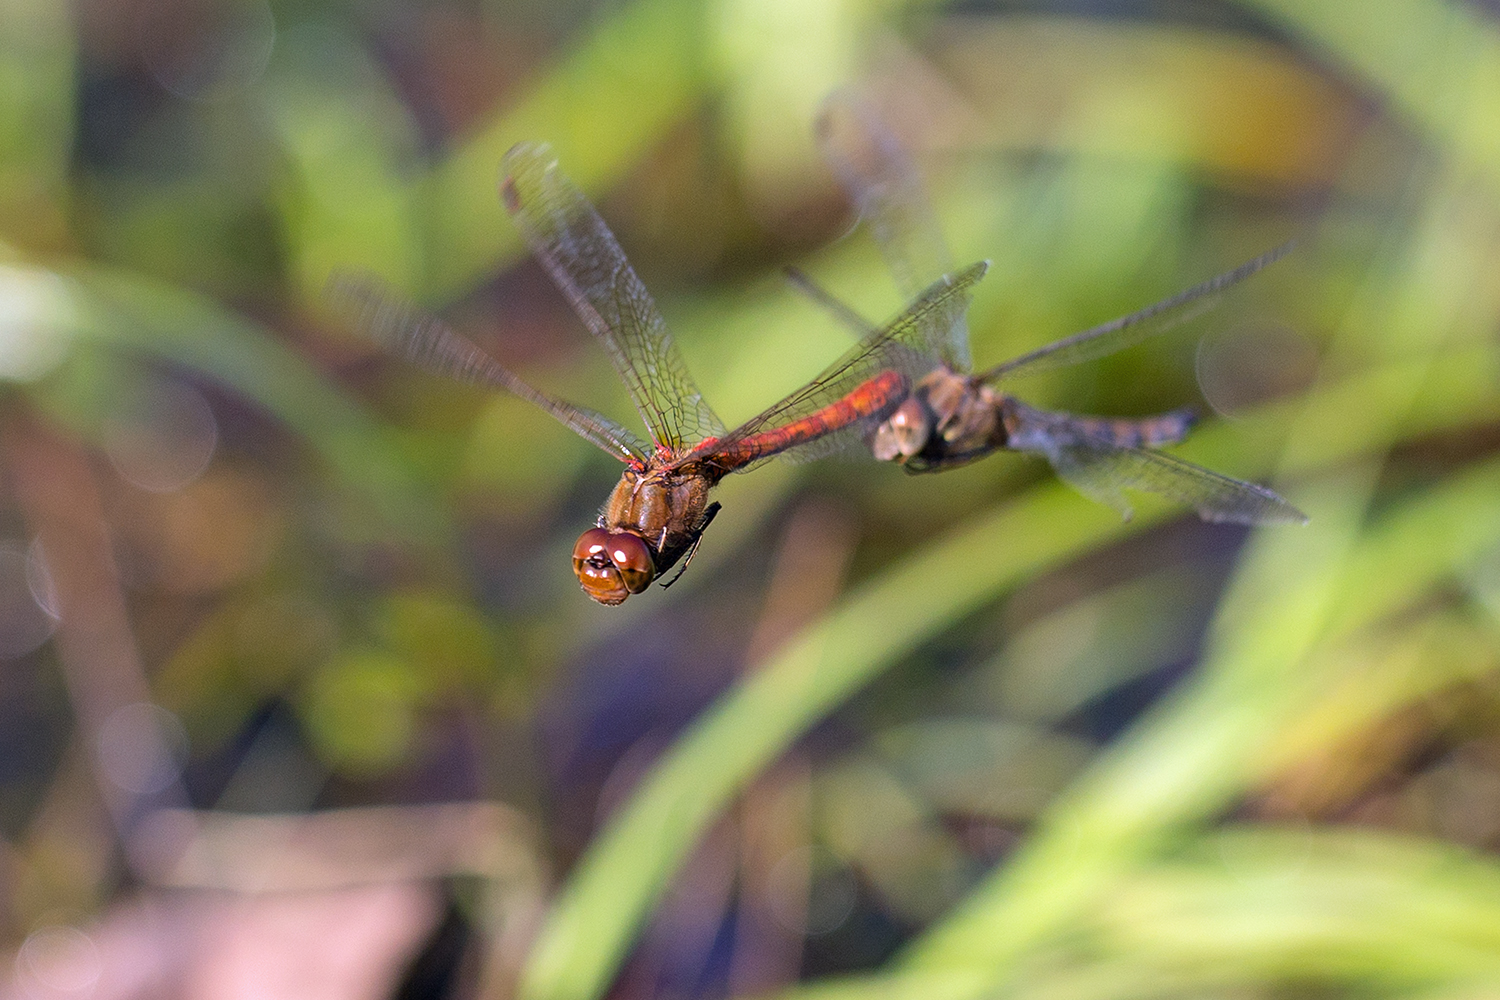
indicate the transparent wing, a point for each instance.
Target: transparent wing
{"x":832,"y":304}
{"x":853,"y":394}
{"x":1101,"y":470}
{"x":581,"y":254}
{"x":409,"y":332}
{"x":885,"y":187}
{"x":1118,"y":334}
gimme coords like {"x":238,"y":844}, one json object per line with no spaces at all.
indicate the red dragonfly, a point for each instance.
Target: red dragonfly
{"x":955,"y":415}
{"x":656,"y":515}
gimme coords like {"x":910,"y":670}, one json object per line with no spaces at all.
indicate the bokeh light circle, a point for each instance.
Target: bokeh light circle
{"x":207,"y":50}
{"x":62,"y":961}
{"x":142,"y":748}
{"x":25,"y":622}
{"x":163,"y":438}
{"x":1243,"y":366}
{"x":37,"y":319}
{"x":810,"y":894}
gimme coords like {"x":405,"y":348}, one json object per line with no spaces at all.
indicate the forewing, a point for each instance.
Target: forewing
{"x":884,"y":185}
{"x":1118,"y":334}
{"x":834,"y":306}
{"x":575,"y":246}
{"x":426,"y":341}
{"x":899,"y":347}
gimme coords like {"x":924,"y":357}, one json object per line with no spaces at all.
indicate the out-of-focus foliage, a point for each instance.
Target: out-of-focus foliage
{"x":291,"y":650}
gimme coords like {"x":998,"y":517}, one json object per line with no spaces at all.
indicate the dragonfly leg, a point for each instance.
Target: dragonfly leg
{"x":919,"y":464}
{"x":708,"y":516}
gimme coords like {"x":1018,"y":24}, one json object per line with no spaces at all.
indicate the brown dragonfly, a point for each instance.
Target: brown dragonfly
{"x":656,"y":515}
{"x":955,"y":415}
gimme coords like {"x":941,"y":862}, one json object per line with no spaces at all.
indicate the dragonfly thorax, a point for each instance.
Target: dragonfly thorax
{"x":946,"y":414}
{"x":662,"y":504}
{"x":652,"y":518}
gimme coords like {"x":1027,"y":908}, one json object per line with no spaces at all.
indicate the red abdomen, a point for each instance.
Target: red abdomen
{"x":871,"y":398}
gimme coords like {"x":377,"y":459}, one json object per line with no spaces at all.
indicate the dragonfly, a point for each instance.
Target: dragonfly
{"x":955,"y":415}
{"x":656,"y":515}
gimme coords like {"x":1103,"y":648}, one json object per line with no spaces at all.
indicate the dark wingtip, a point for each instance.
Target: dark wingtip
{"x":1265,"y":260}
{"x":1279,"y":512}
{"x":520,"y":157}
{"x":1291,"y":515}
{"x":524,"y":149}
{"x":1276,"y":253}
{"x":1285,"y":513}
{"x":973,"y":272}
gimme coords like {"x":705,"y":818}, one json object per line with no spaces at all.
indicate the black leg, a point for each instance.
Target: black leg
{"x":708,"y":516}
{"x":918,"y":464}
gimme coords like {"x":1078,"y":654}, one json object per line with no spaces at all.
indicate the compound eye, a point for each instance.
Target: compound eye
{"x":903,"y":434}
{"x":595,"y":568}
{"x":632,"y":557}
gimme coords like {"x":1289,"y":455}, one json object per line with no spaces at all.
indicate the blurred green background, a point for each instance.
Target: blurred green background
{"x":300,"y":698}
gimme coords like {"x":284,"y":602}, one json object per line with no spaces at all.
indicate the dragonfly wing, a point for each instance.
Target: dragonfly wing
{"x":567,"y":235}
{"x":1118,"y":334}
{"x":1100,"y":472}
{"x":409,"y":332}
{"x":1101,"y":468}
{"x":886,"y":188}
{"x":853,"y":394}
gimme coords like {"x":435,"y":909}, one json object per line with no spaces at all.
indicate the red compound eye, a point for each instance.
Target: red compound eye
{"x":612,"y":565}
{"x":633,"y":558}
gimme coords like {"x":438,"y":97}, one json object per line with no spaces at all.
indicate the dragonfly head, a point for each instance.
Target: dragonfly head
{"x":612,"y":565}
{"x":903,"y":433}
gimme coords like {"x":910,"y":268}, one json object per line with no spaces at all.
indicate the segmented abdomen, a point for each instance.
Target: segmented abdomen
{"x":1138,"y":432}
{"x":871,"y":398}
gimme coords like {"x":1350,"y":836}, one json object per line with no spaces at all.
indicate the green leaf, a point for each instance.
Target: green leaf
{"x":146,"y":318}
{"x":37,"y":73}
{"x":629,"y":865}
{"x":636,"y":74}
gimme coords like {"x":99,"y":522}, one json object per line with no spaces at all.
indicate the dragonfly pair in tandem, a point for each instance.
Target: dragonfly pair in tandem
{"x":903,"y":391}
